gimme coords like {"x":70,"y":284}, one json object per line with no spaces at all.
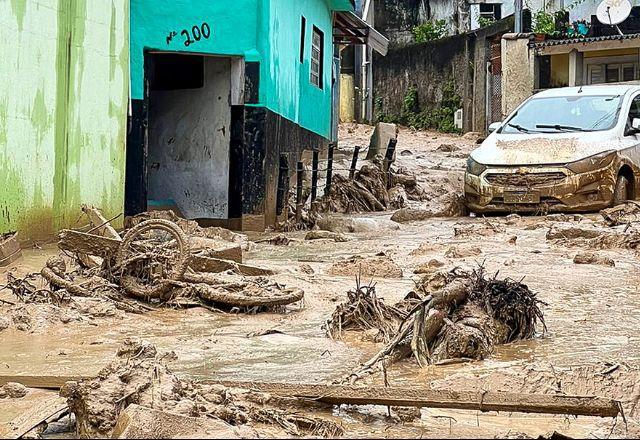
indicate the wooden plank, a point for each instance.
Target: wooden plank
{"x":42,"y":407}
{"x":397,"y":396}
{"x":76,"y":241}
{"x":428,"y":398}
{"x":215,"y":265}
{"x":41,"y":382}
{"x":102,"y":225}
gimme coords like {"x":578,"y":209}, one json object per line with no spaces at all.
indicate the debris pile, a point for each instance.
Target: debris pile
{"x":623,"y":214}
{"x":462,"y":320}
{"x":619,"y":237}
{"x":366,"y":192}
{"x":155,"y":263}
{"x":139,"y":375}
{"x":12,"y":390}
{"x":364,"y":311}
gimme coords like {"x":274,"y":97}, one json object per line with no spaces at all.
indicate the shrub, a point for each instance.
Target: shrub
{"x":429,"y":31}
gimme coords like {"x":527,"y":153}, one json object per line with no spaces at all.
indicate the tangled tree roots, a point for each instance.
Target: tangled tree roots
{"x":363,"y":310}
{"x":509,"y":302}
{"x":464,"y":319}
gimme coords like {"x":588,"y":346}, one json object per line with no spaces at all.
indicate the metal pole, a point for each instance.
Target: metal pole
{"x":283,"y":186}
{"x":327,"y":187}
{"x":299,"y":202}
{"x":314,"y":176}
{"x":517,"y":6}
{"x":354,"y":162}
{"x":388,"y":159}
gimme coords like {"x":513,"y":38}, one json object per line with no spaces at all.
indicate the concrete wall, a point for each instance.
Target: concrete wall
{"x":63,"y":111}
{"x":189,"y":137}
{"x":518,"y":78}
{"x":396,"y":19}
{"x":425,"y":66}
{"x":286,"y":86}
{"x":428,"y":66}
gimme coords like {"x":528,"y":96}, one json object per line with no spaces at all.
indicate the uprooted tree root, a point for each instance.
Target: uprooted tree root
{"x":363,"y":310}
{"x":139,"y":375}
{"x":465,"y":319}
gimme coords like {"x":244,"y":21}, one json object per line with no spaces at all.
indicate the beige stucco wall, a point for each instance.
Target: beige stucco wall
{"x":518,"y":78}
{"x":347,"y":98}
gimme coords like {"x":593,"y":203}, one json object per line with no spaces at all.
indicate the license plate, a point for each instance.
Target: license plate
{"x":521,"y":197}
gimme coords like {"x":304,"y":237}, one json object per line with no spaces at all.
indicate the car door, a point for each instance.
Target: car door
{"x":630,"y":142}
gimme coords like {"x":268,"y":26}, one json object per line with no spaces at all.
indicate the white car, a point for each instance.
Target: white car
{"x":562,"y":150}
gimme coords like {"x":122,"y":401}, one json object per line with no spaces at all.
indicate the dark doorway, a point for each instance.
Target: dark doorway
{"x":185,"y":136}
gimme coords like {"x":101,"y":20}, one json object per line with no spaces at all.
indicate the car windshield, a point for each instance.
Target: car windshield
{"x":565,"y":114}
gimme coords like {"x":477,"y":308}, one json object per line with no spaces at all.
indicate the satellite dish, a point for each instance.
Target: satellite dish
{"x":613,"y":12}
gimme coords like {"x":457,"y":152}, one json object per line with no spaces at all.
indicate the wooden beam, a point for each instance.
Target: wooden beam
{"x":44,"y":409}
{"x":428,"y":398}
{"x":100,"y":223}
{"x":41,"y":382}
{"x":396,"y":396}
{"x":76,"y":241}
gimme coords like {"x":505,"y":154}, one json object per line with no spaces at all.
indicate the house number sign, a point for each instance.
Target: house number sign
{"x":193,"y":35}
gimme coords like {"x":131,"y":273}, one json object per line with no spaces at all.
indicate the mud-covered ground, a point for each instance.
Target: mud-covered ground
{"x":592,"y":346}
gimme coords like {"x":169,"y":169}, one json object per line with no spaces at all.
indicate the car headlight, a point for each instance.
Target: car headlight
{"x":592,"y":163}
{"x":474,"y":167}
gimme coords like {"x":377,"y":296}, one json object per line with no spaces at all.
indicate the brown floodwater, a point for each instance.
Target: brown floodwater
{"x":591,"y":316}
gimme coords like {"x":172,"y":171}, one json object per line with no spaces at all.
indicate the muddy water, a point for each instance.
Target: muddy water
{"x":591,"y":318}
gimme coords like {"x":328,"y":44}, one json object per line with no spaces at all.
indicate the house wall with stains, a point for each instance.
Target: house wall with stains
{"x":64,"y":88}
{"x":262,"y":31}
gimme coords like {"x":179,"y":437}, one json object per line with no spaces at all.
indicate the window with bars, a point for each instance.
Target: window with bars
{"x":491,"y":11}
{"x":612,"y":73}
{"x":317,"y":56}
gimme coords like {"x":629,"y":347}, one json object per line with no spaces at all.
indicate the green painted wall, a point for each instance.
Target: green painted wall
{"x":267,"y":31}
{"x":63,"y":111}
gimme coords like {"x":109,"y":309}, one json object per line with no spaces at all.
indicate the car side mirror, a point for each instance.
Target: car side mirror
{"x":635,"y":127}
{"x":495,"y":125}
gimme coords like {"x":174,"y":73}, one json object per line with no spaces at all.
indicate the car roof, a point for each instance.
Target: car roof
{"x":593,"y":90}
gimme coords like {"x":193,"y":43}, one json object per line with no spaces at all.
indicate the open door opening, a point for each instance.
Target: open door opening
{"x":188,"y":118}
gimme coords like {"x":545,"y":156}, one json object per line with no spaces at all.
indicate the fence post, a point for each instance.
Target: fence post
{"x":299,"y":202}
{"x":283,"y":186}
{"x":327,"y":188}
{"x":388,"y":159}
{"x":314,"y":176}
{"x":354,"y":162}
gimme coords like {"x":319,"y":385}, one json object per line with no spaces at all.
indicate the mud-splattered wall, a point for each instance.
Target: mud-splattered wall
{"x":63,"y":111}
{"x":425,"y":67}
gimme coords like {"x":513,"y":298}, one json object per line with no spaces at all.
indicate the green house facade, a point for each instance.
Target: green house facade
{"x":226,"y":97}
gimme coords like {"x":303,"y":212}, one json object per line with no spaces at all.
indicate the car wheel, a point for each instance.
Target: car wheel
{"x":621,"y":191}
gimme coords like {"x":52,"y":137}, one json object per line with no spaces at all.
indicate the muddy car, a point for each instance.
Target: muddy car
{"x":563,"y":150}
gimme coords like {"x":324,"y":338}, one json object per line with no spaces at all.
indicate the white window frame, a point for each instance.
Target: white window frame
{"x":317,"y":55}
{"x":591,"y":64}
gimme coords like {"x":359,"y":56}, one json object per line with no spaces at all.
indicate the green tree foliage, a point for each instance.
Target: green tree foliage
{"x":431,"y":30}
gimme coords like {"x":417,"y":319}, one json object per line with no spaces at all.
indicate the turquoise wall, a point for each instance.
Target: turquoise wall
{"x":233,"y":26}
{"x":266,"y":31}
